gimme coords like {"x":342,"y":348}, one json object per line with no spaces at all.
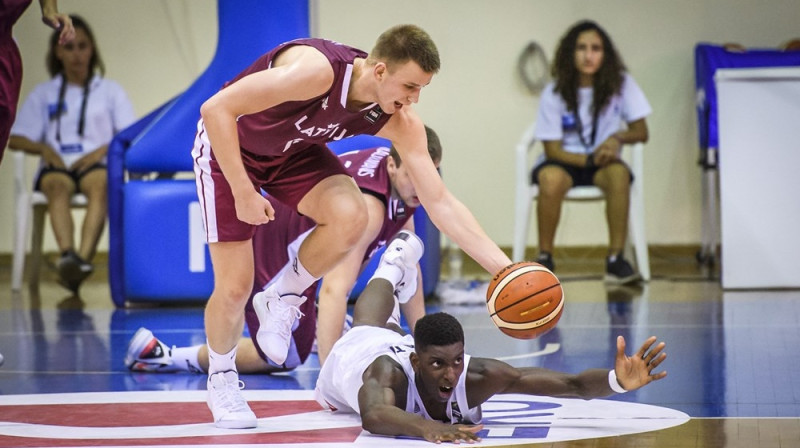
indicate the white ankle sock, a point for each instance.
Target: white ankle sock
{"x":221,"y":363}
{"x":389,"y":272}
{"x":294,"y":278}
{"x":185,"y":358}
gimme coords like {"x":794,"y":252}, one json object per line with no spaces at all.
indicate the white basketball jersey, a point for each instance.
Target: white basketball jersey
{"x":340,"y":377}
{"x":458,"y":410}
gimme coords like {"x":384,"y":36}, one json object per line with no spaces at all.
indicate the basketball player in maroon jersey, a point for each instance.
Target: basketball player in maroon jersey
{"x":391,"y":203}
{"x":267,"y":128}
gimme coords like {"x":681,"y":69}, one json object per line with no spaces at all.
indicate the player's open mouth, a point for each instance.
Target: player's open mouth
{"x":398,"y":105}
{"x":445,"y":391}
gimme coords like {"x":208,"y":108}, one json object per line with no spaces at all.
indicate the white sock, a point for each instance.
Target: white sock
{"x":221,"y":363}
{"x":294,"y":278}
{"x":395,"y":317}
{"x":185,"y":358}
{"x":389,"y":272}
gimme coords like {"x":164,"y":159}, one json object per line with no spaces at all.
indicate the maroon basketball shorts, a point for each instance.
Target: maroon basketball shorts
{"x":286,"y":178}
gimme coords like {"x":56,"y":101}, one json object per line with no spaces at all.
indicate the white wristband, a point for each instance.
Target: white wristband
{"x":613,"y":383}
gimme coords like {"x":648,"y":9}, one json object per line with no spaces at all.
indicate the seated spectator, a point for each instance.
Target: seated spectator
{"x":591,"y":109}
{"x":69,"y":121}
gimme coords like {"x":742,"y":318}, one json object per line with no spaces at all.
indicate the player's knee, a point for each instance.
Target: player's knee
{"x":350,"y":216}
{"x":233,"y":294}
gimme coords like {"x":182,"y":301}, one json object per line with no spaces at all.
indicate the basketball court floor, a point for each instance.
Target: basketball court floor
{"x":732,"y":371}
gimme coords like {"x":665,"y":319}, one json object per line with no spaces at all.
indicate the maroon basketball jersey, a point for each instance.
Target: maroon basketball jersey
{"x":295,"y":125}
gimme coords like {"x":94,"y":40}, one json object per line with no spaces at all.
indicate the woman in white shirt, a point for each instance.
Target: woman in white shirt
{"x":585,"y":116}
{"x":69,"y":121}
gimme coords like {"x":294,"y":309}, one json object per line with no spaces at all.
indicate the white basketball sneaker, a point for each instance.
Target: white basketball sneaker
{"x":404,"y":251}
{"x":277,"y":316}
{"x":146,"y":353}
{"x":225,"y":400}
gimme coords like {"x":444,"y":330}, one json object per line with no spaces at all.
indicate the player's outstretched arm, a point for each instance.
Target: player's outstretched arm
{"x":407,"y":132}
{"x":489,"y":376}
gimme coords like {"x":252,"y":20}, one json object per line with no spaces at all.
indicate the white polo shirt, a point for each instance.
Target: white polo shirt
{"x":554,"y":122}
{"x":108,"y":111}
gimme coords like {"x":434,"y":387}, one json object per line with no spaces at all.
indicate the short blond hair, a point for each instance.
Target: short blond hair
{"x":403,"y":43}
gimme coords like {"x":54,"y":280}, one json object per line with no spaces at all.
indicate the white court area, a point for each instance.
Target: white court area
{"x":119,"y":418}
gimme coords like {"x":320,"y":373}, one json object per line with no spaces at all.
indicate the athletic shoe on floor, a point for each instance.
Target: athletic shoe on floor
{"x":277,"y":316}
{"x":462,"y":292}
{"x":146,"y":353}
{"x":225,"y":400}
{"x":619,"y":271}
{"x":404,"y":251}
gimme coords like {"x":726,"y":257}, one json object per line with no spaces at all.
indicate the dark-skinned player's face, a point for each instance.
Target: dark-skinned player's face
{"x":438,"y":369}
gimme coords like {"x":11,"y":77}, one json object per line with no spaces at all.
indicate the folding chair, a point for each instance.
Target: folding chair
{"x":526,"y":192}
{"x":26,"y":201}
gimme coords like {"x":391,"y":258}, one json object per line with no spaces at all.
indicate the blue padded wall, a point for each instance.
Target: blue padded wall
{"x":166,"y":254}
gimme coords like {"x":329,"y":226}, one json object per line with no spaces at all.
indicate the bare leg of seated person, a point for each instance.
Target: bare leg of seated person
{"x":554,"y":183}
{"x":614,"y":180}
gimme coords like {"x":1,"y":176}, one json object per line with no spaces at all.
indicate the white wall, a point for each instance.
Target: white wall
{"x":476,"y":103}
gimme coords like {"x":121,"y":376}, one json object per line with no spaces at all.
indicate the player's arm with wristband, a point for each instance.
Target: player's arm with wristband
{"x":489,"y":376}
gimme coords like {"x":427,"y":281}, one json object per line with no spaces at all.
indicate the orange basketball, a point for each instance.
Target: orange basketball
{"x":525,"y":300}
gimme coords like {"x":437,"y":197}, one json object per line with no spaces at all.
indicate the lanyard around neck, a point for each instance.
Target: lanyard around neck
{"x":62,"y":108}
{"x":579,"y":125}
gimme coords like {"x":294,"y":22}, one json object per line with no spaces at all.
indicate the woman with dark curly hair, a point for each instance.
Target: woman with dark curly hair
{"x":591,"y":109}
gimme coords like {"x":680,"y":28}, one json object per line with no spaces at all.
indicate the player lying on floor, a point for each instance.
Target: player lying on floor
{"x":409,"y":386}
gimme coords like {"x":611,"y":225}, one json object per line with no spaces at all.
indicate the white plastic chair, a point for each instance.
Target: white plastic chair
{"x":27,"y":201}
{"x":526,"y":192}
